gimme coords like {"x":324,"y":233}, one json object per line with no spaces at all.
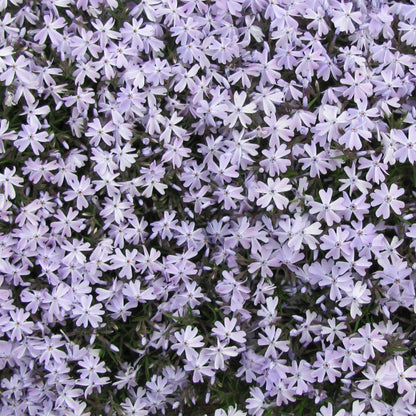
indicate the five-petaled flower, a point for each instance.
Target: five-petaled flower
{"x":386,"y":199}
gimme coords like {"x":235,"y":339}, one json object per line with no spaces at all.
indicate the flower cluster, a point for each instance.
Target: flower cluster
{"x":207,"y":203}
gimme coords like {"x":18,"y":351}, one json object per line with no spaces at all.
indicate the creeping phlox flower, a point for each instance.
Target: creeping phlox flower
{"x":207,"y":203}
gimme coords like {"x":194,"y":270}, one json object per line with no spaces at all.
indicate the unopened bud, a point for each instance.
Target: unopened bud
{"x":321,"y":299}
{"x":146,"y":151}
{"x":176,"y":187}
{"x":114,"y":348}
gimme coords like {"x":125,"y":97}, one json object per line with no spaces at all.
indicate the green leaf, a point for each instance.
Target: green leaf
{"x":312,"y":102}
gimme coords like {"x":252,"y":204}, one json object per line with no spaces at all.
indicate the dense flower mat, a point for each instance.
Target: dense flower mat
{"x":207,"y":207}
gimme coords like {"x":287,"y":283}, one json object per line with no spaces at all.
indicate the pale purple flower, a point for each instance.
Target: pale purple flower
{"x":220,"y":354}
{"x":256,"y":402}
{"x":135,"y":293}
{"x":377,"y":379}
{"x":358,"y":296}
{"x":404,"y":375}
{"x":376,"y":169}
{"x":359,"y":87}
{"x":17,"y":324}
{"x":386,"y":199}
{"x":334,"y":330}
{"x":30,"y":136}
{"x":272,"y":192}
{"x":86,"y":313}
{"x":337,"y":243}
{"x":369,"y":341}
{"x":271,"y":340}
{"x":80,"y":189}
{"x":407,"y":148}
{"x":50,"y":30}
{"x":229,"y":331}
{"x":278,"y":128}
{"x":327,"y":209}
{"x":238,"y":111}
{"x":350,"y":355}
{"x":344,"y":18}
{"x":264,"y":260}
{"x":328,"y":411}
{"x":275,"y":162}
{"x":148,"y":260}
{"x":125,"y":262}
{"x":91,"y":367}
{"x":175,"y":152}
{"x":327,"y":365}
{"x":200,"y":367}
{"x":188,"y":341}
{"x":17,"y":69}
{"x":67,"y":223}
{"x":316,"y":162}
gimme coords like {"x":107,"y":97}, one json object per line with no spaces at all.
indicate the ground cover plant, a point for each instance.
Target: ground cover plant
{"x":207,"y":207}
